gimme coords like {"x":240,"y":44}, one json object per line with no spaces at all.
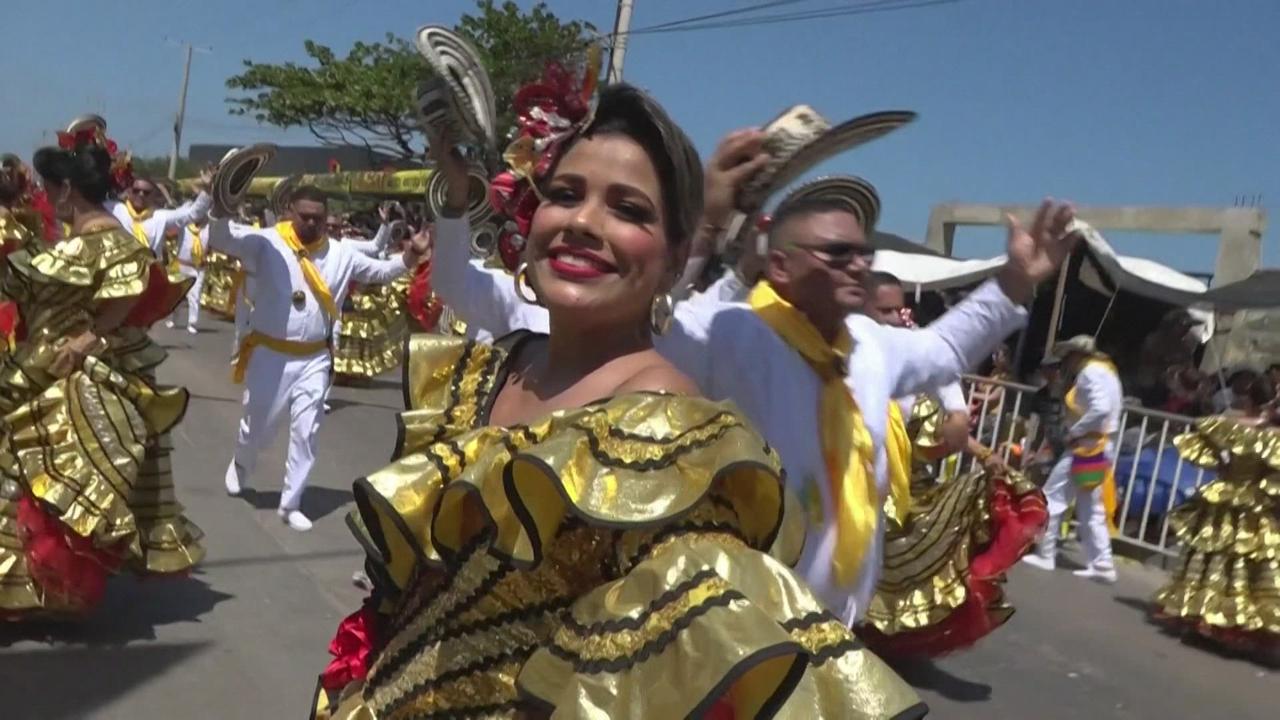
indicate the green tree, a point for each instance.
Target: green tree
{"x":365,"y":98}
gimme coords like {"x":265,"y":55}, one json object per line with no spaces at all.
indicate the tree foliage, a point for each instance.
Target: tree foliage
{"x":365,"y":97}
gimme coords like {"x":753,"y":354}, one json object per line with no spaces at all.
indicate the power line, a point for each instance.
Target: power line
{"x":866,"y":8}
{"x":722,"y":13}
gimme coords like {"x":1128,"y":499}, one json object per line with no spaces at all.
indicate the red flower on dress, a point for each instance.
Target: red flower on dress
{"x":351,"y":648}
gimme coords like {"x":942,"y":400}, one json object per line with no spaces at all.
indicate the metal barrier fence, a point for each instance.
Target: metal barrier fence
{"x":1151,"y":478}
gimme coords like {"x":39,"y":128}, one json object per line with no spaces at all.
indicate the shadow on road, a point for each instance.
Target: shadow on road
{"x":925,"y":674}
{"x":336,"y":404}
{"x":212,"y":398}
{"x":132,"y":610}
{"x":70,"y":682}
{"x":317,"y":502}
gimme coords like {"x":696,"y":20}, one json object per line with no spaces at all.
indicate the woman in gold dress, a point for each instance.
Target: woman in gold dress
{"x":1226,"y":584}
{"x":566,"y":528}
{"x":85,"y":488}
{"x":946,"y":556}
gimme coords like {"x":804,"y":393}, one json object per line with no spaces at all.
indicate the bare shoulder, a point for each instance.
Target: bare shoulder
{"x":659,"y":377}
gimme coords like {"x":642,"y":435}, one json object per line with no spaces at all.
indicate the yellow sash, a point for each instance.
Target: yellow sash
{"x":898,"y":452}
{"x":138,"y":217}
{"x":197,"y":247}
{"x":847,"y":449}
{"x":1109,"y":495}
{"x":284,"y":347}
{"x":309,"y":270}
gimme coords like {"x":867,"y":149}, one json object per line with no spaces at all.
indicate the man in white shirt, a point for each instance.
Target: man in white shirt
{"x":141,"y":215}
{"x":1094,"y":404}
{"x":300,"y":279}
{"x":191,"y":254}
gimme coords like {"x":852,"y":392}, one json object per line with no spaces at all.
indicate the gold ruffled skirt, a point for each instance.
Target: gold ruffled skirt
{"x":222,"y":279}
{"x":372,"y":332}
{"x":85,"y":481}
{"x":1226,"y":584}
{"x":602,"y":562}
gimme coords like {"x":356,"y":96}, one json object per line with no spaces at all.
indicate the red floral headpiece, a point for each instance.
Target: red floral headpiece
{"x":548,"y":113}
{"x":93,"y":136}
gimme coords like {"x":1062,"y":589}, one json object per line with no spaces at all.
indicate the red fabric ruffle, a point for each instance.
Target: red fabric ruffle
{"x":156,"y":302}
{"x":66,"y":566}
{"x":1260,"y":644}
{"x":351,"y":647}
{"x":424,"y":306}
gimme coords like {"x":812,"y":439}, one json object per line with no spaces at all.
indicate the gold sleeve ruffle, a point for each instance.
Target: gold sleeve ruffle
{"x":112,"y":261}
{"x":86,"y":448}
{"x":925,"y":426}
{"x":1228,"y":573}
{"x":605,"y":556}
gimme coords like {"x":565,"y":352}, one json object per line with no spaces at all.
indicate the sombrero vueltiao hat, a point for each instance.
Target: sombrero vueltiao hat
{"x":84,"y":122}
{"x":231,"y":180}
{"x":800,"y":139}
{"x":1079,"y":344}
{"x":470,"y":94}
{"x":282,"y":193}
{"x":853,"y":192}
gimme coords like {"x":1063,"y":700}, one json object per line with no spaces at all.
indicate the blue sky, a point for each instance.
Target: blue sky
{"x":1107,"y":102}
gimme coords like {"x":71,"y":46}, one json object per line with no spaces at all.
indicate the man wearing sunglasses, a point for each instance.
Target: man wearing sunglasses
{"x":142,"y":212}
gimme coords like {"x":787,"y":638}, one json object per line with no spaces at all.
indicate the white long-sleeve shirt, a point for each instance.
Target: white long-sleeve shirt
{"x":188,"y":241}
{"x":374,"y":247}
{"x":161,"y":220}
{"x":278,"y":276}
{"x":1100,"y":398}
{"x":733,"y":355}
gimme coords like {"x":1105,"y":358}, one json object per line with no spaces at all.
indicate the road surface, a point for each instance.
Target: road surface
{"x":246,"y":635}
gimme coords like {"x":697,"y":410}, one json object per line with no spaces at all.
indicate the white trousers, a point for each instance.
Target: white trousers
{"x":193,"y":295}
{"x":275,"y":383}
{"x":1091,"y":516}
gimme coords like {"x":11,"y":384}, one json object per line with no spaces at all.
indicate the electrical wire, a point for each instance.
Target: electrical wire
{"x":865,"y":8}
{"x":722,"y":13}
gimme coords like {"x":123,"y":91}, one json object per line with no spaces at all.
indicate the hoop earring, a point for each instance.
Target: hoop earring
{"x":523,"y":286}
{"x":661,"y":311}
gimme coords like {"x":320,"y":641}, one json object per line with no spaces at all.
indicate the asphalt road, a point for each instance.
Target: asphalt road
{"x":246,"y":635}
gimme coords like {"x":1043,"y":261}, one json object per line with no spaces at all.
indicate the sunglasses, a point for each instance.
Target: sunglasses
{"x":840,"y":254}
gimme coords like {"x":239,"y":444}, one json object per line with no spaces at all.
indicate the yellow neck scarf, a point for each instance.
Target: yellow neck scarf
{"x":847,"y":449}
{"x":898,"y":453}
{"x":197,"y":247}
{"x":138,"y":217}
{"x":309,"y":270}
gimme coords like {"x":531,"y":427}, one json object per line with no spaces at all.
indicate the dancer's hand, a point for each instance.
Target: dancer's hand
{"x":71,"y":355}
{"x":442,"y":150}
{"x":739,"y":156}
{"x":1035,"y":254}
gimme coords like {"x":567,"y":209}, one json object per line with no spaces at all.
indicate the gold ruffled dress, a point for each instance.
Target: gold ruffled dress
{"x":944,"y":564}
{"x":222,"y":279}
{"x":372,"y":330}
{"x":1226,"y":584}
{"x":606,"y":561}
{"x":85,"y":484}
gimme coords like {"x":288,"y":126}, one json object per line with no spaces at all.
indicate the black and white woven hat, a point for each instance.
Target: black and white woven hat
{"x":236,"y":170}
{"x":851,"y":191}
{"x":465,"y":95}
{"x":800,"y":139}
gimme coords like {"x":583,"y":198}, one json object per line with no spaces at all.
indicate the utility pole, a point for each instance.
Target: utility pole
{"x":621,"y":27}
{"x":182,"y":110}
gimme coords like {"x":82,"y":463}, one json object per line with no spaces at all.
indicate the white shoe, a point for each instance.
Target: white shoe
{"x":1040,"y":561}
{"x":233,"y":481}
{"x":327,"y":408}
{"x":361,"y":580}
{"x":169,"y":324}
{"x":295,"y":519}
{"x":1106,"y":576}
{"x":192,"y":329}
